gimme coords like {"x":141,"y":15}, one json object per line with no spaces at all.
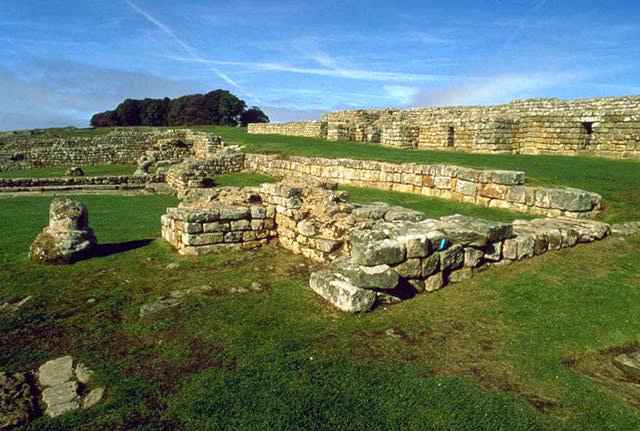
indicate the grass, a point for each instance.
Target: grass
{"x":486,"y":354}
{"x":54,"y":172}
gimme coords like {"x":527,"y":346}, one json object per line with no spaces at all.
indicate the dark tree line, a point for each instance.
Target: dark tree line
{"x":219,"y":107}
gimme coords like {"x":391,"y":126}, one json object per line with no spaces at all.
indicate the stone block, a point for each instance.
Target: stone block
{"x":342,"y":294}
{"x":452,"y":258}
{"x":434,"y":282}
{"x":389,"y":252}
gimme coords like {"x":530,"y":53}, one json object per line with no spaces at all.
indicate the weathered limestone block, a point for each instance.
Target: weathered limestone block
{"x":629,"y":363}
{"x":366,"y":277}
{"x":68,"y":237}
{"x":452,"y":258}
{"x":566,"y":199}
{"x":387,"y":251}
{"x":342,"y":294}
{"x":470,"y":231}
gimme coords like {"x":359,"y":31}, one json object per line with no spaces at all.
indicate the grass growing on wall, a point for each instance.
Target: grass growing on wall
{"x":486,"y":354}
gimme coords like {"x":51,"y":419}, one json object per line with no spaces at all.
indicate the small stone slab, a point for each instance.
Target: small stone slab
{"x":629,"y":363}
{"x":93,"y":398}
{"x":56,"y":371}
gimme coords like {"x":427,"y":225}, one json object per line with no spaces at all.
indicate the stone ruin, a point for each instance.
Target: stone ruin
{"x":606,"y":127}
{"x":68,"y":237}
{"x":58,"y":386}
{"x":373,"y":254}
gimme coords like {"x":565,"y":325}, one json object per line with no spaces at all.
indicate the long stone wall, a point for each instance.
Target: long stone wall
{"x":121,"y":146}
{"x":311,"y":129}
{"x":495,"y":189}
{"x":605,"y":127}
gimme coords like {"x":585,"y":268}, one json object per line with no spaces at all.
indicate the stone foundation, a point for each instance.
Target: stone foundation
{"x":375,"y":254}
{"x":495,"y":189}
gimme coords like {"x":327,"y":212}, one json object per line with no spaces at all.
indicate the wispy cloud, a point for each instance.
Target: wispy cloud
{"x":356,"y":74}
{"x":188,"y":49}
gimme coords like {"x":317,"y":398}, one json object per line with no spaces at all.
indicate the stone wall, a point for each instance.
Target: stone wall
{"x":495,"y":189}
{"x":27,"y":184}
{"x":225,"y":218}
{"x":121,"y":146}
{"x":199,"y":172}
{"x":375,"y":254}
{"x":606,"y":127}
{"x":310,"y":129}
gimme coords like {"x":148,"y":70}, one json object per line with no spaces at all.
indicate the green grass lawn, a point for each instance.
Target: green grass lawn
{"x":486,"y":354}
{"x":53,"y":172}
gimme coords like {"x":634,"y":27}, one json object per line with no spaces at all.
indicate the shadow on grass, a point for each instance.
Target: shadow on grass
{"x":104,"y":250}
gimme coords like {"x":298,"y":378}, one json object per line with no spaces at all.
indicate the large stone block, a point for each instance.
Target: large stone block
{"x":342,"y":294}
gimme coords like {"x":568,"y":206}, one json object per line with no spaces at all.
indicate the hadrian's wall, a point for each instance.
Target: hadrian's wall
{"x":312,"y":129}
{"x":495,"y":189}
{"x":606,"y":127}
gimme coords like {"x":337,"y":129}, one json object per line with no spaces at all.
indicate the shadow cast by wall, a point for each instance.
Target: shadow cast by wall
{"x":104,"y":250}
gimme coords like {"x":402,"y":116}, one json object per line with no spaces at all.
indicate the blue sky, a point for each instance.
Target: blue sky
{"x":63,"y":60}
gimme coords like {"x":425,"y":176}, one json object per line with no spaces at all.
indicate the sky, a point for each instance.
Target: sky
{"x":63,"y":60}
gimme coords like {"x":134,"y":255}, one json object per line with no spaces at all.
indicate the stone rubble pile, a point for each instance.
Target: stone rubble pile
{"x":57,"y":387}
{"x":68,"y":237}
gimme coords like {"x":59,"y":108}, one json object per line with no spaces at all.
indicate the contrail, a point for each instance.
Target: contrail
{"x":191,"y":51}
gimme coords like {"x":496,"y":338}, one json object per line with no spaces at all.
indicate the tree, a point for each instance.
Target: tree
{"x":218,"y":107}
{"x":253,"y":115}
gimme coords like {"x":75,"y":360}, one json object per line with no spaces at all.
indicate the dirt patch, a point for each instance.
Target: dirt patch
{"x":600,"y":367}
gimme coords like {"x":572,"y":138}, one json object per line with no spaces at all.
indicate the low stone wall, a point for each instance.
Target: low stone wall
{"x":233,"y":220}
{"x":198,"y":173}
{"x":80,"y":181}
{"x":311,"y":129}
{"x":121,"y":146}
{"x":495,"y":189}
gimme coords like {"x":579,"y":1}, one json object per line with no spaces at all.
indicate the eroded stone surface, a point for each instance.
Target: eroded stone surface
{"x":68,"y":237}
{"x":629,"y":363}
{"x":56,"y":371}
{"x":342,"y":294}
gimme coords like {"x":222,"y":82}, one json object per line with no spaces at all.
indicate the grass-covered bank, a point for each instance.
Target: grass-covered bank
{"x":486,"y":354}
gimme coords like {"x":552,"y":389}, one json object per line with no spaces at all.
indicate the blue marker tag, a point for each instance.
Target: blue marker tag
{"x":442,"y":245}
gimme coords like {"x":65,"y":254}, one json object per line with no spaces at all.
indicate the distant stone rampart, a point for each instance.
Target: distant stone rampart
{"x":604,"y":127}
{"x":311,"y":129}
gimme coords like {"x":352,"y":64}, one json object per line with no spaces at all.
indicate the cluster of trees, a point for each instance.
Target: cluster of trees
{"x":218,"y":107}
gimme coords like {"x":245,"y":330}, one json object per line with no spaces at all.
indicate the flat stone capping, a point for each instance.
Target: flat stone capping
{"x":488,"y":188}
